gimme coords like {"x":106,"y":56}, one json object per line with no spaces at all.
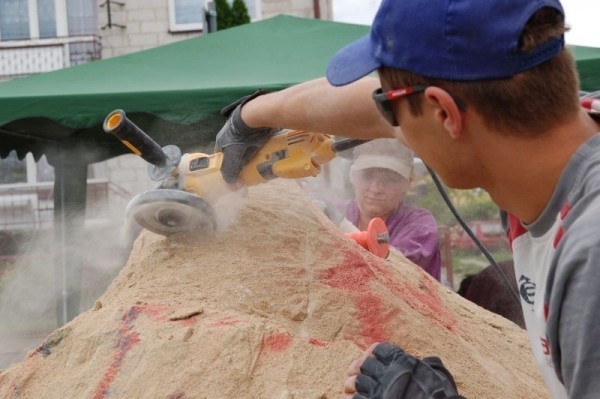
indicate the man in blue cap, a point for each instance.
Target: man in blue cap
{"x":486,"y":94}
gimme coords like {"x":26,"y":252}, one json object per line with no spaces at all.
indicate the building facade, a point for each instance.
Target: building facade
{"x":43,"y":35}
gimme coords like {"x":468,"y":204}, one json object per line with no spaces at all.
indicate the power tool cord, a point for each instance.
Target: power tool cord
{"x":468,"y":230}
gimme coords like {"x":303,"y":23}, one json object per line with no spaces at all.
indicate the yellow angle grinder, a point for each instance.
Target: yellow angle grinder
{"x":192,"y":183}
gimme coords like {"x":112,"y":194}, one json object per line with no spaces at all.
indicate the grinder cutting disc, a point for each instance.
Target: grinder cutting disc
{"x":168,"y":211}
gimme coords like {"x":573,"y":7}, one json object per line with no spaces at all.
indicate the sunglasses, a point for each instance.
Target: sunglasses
{"x":383,"y":100}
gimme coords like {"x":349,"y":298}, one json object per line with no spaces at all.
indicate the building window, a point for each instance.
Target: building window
{"x":190,"y":15}
{"x":14,"y":20}
{"x":81,"y":17}
{"x":186,"y":15}
{"x":44,"y":19}
{"x":47,"y":18}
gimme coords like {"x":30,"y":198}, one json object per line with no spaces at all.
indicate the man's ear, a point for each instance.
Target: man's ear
{"x":446,"y":111}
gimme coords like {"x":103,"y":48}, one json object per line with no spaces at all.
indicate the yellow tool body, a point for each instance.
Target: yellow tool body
{"x":192,"y":183}
{"x":289,"y":154}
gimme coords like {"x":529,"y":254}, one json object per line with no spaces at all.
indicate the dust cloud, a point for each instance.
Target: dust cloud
{"x":32,"y":288}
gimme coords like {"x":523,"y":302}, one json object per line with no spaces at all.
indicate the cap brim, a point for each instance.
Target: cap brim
{"x":383,"y":162}
{"x":352,"y":62}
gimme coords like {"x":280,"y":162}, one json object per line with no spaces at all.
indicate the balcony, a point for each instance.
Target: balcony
{"x":20,"y":58}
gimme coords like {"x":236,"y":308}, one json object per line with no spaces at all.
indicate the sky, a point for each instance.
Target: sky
{"x":583,"y":16}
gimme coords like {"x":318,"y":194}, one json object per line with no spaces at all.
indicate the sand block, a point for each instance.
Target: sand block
{"x":275,"y":307}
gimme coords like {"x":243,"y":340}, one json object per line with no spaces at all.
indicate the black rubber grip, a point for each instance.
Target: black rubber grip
{"x":346,"y":144}
{"x":117,"y":124}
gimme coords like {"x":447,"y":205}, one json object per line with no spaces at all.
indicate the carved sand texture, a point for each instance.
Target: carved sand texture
{"x":276,"y":307}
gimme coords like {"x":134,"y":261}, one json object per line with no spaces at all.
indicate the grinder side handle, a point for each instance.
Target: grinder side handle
{"x":134,"y":138}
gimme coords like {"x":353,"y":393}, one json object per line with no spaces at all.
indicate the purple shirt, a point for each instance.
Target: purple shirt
{"x":414,"y":232}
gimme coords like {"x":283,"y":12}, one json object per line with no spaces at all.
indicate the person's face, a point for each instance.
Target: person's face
{"x":428,"y":138}
{"x":379,"y":191}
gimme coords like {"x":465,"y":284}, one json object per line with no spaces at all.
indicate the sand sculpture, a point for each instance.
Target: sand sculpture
{"x":276,"y":307}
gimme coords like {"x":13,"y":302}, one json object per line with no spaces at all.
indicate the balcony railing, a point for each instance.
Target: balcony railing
{"x":21,"y":58}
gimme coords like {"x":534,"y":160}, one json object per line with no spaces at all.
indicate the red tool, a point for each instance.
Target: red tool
{"x":375,"y":239}
{"x":591,"y":104}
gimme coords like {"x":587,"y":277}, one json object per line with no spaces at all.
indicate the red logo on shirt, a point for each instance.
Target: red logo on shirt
{"x":545,"y":346}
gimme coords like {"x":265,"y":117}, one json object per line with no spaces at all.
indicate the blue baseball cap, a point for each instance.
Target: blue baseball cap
{"x":446,"y":39}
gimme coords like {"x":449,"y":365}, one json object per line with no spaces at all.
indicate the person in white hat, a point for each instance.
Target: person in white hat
{"x":381,"y":174}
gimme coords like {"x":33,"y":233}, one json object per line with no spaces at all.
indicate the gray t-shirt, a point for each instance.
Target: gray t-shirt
{"x":557,"y":266}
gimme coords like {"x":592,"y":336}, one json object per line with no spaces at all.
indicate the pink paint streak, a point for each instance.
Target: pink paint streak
{"x":155,"y":311}
{"x":318,"y":342}
{"x":161,"y":313}
{"x":189,"y":322}
{"x":277,"y":342}
{"x":225,"y":321}
{"x":373,"y":323}
{"x":127,"y":339}
{"x":425,"y":300}
{"x":352,"y":275}
{"x":355,"y":275}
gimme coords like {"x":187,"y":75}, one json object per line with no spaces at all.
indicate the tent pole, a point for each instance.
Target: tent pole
{"x":69,"y":211}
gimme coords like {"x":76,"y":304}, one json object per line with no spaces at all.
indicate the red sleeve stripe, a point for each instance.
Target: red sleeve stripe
{"x":515,"y":229}
{"x":561,"y":230}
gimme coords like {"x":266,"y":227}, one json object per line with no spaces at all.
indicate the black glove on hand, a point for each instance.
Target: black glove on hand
{"x":394,"y":374}
{"x":238,"y":141}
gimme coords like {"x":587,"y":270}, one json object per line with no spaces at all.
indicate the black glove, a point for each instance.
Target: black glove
{"x":394,"y":374}
{"x":238,"y":141}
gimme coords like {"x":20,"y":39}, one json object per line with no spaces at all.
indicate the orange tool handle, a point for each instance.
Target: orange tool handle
{"x":375,"y":239}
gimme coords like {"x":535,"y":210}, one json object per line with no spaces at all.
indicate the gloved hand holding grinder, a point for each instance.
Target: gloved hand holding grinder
{"x":385,"y":371}
{"x":238,"y":141}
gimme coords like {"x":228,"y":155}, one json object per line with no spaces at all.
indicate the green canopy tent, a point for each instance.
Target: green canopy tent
{"x":173,"y":92}
{"x":588,"y":66}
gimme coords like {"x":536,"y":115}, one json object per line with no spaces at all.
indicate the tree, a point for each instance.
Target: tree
{"x":224,"y":14}
{"x":229,"y":16}
{"x":239,"y":13}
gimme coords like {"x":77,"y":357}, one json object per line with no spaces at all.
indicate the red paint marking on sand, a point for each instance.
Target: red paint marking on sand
{"x":161,"y":313}
{"x":318,"y":342}
{"x":225,"y":321}
{"x":425,"y":300}
{"x":127,"y":339}
{"x":355,"y":275}
{"x":373,"y":324}
{"x":189,"y":322}
{"x":156,"y":312}
{"x":277,"y":342}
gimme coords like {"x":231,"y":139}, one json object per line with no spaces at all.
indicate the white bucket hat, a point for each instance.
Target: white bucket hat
{"x":384,"y":153}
